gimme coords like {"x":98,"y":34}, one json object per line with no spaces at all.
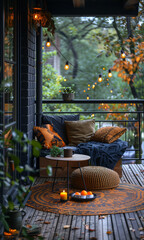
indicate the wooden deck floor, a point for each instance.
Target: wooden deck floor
{"x":125,"y":226}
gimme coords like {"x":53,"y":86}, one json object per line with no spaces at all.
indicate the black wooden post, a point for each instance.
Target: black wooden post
{"x":39,"y":76}
{"x":1,"y":98}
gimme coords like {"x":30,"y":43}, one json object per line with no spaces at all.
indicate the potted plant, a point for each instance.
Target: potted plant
{"x":67,"y":93}
{"x":18,"y":177}
{"x":56,"y":151}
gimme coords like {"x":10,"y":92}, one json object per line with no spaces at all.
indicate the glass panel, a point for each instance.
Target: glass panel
{"x":9,"y":92}
{"x":9,"y":30}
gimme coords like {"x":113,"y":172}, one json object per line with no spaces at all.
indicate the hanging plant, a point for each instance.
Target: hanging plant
{"x":45,"y":19}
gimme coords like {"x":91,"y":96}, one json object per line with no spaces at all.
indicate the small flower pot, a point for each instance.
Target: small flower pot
{"x":68,"y":96}
{"x":14,"y":218}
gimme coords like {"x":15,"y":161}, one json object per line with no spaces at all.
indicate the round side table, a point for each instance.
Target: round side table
{"x":77,"y":158}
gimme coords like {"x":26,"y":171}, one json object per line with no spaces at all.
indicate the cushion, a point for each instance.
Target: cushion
{"x":7,"y":138}
{"x":108,"y":134}
{"x":48,"y":137}
{"x":95,"y":178}
{"x":79,"y":131}
{"x":58,"y":123}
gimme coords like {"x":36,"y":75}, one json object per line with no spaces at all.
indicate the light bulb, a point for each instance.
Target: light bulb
{"x":100,"y":78}
{"x":48,"y":44}
{"x":87,"y":97}
{"x":109,"y":73}
{"x":122,"y":54}
{"x":66,"y":67}
{"x":35,"y":16}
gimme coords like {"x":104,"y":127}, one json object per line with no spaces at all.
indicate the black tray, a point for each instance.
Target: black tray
{"x":79,"y":199}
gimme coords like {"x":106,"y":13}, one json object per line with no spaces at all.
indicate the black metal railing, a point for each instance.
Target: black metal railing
{"x":132,"y":119}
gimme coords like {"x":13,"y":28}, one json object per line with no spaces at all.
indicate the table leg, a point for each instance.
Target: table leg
{"x":68,"y":180}
{"x":54,"y":176}
{"x":82,"y":177}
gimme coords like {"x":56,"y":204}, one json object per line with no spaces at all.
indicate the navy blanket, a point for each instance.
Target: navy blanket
{"x":103,"y":154}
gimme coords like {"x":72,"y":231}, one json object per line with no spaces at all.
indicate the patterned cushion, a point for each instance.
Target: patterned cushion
{"x":48,"y":137}
{"x":108,"y":134}
{"x":58,"y":123}
{"x":79,"y":131}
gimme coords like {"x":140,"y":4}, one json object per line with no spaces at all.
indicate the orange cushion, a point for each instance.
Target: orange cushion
{"x":7,"y":138}
{"x":48,"y":137}
{"x":108,"y":134}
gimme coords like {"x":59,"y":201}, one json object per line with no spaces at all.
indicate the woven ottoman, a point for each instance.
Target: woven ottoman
{"x":95,"y":177}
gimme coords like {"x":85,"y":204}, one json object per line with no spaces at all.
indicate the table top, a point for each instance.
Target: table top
{"x":75,"y":157}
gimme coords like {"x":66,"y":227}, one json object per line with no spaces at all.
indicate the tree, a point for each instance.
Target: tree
{"x":52,"y":83}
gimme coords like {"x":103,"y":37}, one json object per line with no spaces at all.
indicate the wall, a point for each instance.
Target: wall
{"x":28,"y":56}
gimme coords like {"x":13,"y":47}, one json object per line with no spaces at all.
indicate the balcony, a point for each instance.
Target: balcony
{"x":107,"y":113}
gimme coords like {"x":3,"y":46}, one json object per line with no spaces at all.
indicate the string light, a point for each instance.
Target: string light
{"x":88,"y":97}
{"x":100,"y":78}
{"x":48,"y":43}
{"x":122,"y":54}
{"x":109,"y":73}
{"x":66,"y":67}
{"x":111,"y":91}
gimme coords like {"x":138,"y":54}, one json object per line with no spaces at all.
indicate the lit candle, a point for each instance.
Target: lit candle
{"x":63,"y":196}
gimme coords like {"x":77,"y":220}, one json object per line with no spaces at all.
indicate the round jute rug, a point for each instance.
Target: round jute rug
{"x":125,"y":198}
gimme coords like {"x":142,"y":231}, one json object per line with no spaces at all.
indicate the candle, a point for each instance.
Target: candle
{"x":63,"y":196}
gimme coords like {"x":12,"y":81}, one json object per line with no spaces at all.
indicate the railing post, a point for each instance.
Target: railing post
{"x":139,"y":119}
{"x":39,"y":76}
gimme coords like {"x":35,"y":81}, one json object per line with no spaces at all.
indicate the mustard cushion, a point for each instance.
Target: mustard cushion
{"x":79,"y":131}
{"x":48,"y":137}
{"x":108,"y":134}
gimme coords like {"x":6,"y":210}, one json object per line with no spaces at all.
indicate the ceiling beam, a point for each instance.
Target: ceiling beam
{"x":131,"y":4}
{"x":79,"y":3}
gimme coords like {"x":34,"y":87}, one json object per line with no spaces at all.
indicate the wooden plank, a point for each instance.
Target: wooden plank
{"x":131,"y":178}
{"x":104,"y":228}
{"x":80,"y":221}
{"x":49,"y":225}
{"x":99,"y":229}
{"x":67,"y":231}
{"x":115,"y":228}
{"x":83,"y":229}
{"x":109,"y":228}
{"x":29,"y":215}
{"x":73,"y":226}
{"x":59,"y":227}
{"x":87,"y":226}
{"x":132,"y":226}
{"x":138,"y":175}
{"x":121,"y":227}
{"x":92,"y":227}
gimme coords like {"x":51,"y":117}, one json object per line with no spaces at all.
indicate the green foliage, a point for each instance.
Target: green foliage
{"x":56,"y":151}
{"x":93,"y":44}
{"x":51,"y":80}
{"x":67,"y":90}
{"x":52,"y":83}
{"x":7,"y":180}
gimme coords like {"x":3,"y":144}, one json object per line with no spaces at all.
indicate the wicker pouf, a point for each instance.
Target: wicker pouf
{"x":95,"y":178}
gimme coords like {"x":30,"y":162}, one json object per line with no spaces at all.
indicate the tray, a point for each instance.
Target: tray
{"x":79,"y":199}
